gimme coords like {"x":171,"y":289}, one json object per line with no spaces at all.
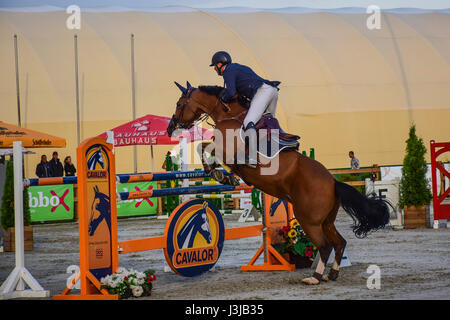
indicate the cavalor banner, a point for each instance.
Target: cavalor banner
{"x":51,"y":203}
{"x":137,"y":207}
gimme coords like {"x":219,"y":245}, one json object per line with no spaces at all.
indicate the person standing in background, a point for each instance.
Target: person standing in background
{"x":354,"y":162}
{"x":43,"y":168}
{"x":69,"y":168}
{"x":56,"y":166}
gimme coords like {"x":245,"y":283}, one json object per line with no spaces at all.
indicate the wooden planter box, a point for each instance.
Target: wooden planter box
{"x":9,"y":239}
{"x":415,"y":217}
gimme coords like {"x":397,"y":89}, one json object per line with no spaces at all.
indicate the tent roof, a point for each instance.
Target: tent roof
{"x":30,"y":138}
{"x":151,"y":130}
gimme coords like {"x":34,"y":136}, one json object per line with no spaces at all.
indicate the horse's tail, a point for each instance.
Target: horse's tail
{"x":368,"y":212}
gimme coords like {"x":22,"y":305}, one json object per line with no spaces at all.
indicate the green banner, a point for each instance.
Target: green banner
{"x":137,"y":207}
{"x":56,"y":202}
{"x":50,"y":203}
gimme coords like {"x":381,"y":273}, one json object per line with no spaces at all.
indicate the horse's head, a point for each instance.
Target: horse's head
{"x":204,"y":230}
{"x":96,"y":157}
{"x":187,"y":111}
{"x":100,"y":209}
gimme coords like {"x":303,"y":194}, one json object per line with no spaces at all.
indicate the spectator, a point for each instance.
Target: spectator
{"x":69,"y":168}
{"x":43,"y":168}
{"x":55,"y":165}
{"x":354,"y":162}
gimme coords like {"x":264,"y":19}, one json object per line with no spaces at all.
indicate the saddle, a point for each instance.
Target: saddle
{"x":268,"y":122}
{"x":270,"y":145}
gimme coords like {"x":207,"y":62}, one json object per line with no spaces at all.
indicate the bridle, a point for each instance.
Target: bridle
{"x":206,"y":112}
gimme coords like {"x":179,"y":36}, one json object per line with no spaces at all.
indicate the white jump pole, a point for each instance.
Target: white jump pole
{"x":15,"y":285}
{"x":184,"y":159}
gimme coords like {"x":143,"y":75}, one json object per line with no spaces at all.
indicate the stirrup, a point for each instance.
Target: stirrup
{"x":250,"y":125}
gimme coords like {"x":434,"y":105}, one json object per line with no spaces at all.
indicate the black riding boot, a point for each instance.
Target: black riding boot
{"x":251,"y":161}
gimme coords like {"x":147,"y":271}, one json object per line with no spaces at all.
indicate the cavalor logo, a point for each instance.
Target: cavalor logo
{"x":97,"y":161}
{"x":194,"y":236}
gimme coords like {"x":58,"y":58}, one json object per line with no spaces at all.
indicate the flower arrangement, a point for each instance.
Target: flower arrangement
{"x":296,"y":242}
{"x":127,"y":283}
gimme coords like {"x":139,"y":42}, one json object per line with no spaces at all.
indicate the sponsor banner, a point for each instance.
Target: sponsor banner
{"x":194,"y":236}
{"x":51,"y":203}
{"x":98,"y":199}
{"x":137,"y":207}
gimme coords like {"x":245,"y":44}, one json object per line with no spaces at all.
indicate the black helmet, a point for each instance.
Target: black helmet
{"x":220,"y":56}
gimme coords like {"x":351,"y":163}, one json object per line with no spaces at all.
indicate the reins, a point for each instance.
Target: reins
{"x":206,"y":112}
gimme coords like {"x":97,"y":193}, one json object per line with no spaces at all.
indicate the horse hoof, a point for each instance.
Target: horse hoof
{"x":310,"y":281}
{"x":333,"y":274}
{"x":234,"y":181}
{"x":217,"y":175}
{"x":325,"y":278}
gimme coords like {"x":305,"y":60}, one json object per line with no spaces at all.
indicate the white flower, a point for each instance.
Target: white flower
{"x":137,"y":291}
{"x":121,"y":270}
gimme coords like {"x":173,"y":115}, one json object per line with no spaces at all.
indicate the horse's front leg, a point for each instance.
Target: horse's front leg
{"x":210,"y":164}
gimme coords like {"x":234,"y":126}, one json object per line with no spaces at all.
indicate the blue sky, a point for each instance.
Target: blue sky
{"x":383,"y":4}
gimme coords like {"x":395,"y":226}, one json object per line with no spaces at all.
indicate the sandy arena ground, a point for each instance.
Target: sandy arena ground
{"x":414,"y":265}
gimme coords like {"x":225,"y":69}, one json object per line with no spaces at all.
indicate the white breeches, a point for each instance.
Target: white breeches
{"x":264,"y":101}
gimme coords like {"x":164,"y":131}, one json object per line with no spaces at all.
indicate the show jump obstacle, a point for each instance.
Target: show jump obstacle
{"x":187,"y":256}
{"x":440,"y":205}
{"x":15,"y":286}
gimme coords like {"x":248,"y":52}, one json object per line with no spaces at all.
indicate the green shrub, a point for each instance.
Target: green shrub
{"x":414,"y":189}
{"x":7,"y":208}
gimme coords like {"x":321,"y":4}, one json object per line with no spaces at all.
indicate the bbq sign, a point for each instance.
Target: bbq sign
{"x":194,"y":237}
{"x":51,"y":203}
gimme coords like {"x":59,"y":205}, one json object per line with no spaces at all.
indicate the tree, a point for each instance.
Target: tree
{"x":7,"y":208}
{"x":414,"y":189}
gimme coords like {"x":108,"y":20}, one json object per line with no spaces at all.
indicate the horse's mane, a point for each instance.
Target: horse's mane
{"x":213,"y":90}
{"x":216,"y":90}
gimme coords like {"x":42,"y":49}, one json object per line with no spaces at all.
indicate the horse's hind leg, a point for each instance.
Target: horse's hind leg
{"x":336,"y":240}
{"x":339,"y":244}
{"x":317,"y":236}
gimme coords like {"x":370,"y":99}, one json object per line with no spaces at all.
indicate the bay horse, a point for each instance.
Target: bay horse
{"x":314,"y":193}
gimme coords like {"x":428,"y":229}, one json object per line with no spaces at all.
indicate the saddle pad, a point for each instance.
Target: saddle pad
{"x":268,"y":148}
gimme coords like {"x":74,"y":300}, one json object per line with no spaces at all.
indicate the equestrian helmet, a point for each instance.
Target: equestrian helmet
{"x":220,"y":56}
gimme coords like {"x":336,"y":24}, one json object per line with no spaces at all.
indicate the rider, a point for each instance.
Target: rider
{"x":242,"y":80}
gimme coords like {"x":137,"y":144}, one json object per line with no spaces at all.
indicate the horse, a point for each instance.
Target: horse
{"x":198,"y":223}
{"x":314,"y":193}
{"x":101,"y":203}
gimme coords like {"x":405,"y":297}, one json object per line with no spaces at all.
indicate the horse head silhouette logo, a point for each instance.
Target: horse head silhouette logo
{"x":96,"y":158}
{"x":100,"y":205}
{"x":274,"y":206}
{"x":198,"y":223}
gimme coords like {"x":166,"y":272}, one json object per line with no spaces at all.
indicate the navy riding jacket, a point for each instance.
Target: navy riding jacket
{"x":242,"y":80}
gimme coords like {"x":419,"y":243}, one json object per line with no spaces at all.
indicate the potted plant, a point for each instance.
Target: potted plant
{"x":415,"y":194}
{"x":8,"y":214}
{"x":296,"y":245}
